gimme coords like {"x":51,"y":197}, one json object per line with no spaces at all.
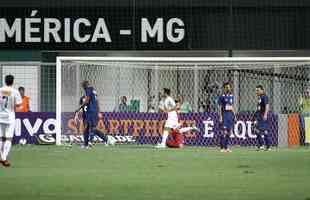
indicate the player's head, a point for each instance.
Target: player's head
{"x":9,"y":80}
{"x":259,"y":90}
{"x":226,"y":87}
{"x":85,"y":84}
{"x":181,"y":98}
{"x":124,"y":99}
{"x":21,"y":90}
{"x":167,"y":92}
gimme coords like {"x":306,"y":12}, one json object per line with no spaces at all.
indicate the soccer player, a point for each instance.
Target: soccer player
{"x":177,"y":140}
{"x":91,"y":112}
{"x":227,"y":116}
{"x":261,"y":116}
{"x":95,"y":131}
{"x":169,"y":107}
{"x":9,"y":100}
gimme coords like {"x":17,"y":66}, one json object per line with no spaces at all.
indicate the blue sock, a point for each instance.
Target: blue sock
{"x":222,"y":141}
{"x":260,"y":140}
{"x":91,"y":136}
{"x":86,"y":136}
{"x":267,"y":139}
{"x":226,"y":141}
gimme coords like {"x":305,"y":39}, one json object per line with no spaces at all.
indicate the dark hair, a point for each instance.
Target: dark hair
{"x":260,"y":87}
{"x":21,"y":88}
{"x":167,"y":91}
{"x":225,"y":84}
{"x":9,"y":80}
{"x":85,"y":84}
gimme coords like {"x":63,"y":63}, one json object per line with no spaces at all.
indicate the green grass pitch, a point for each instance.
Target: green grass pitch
{"x":126,"y":172}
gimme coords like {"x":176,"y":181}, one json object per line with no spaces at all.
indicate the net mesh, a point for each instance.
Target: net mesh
{"x":200,"y":84}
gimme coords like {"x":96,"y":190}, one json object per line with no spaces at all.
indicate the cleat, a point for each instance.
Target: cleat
{"x":160,"y":146}
{"x":196,"y":129}
{"x":85,"y":147}
{"x":5,"y":163}
{"x":228,"y":150}
{"x":261,"y":148}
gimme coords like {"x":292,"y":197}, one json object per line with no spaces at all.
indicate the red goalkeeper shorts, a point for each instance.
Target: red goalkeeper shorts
{"x":176,"y":140}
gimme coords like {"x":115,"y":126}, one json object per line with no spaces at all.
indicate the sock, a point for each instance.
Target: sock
{"x":185,"y":129}
{"x":222,"y":141}
{"x":86,"y":136}
{"x":226,"y":141}
{"x":101,"y":135}
{"x":260,"y":140}
{"x":1,"y":148}
{"x":267,"y":139}
{"x":6,"y":149}
{"x":164,"y":138}
{"x":91,"y":136}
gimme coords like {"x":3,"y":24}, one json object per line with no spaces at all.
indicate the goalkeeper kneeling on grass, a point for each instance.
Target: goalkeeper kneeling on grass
{"x":177,"y":138}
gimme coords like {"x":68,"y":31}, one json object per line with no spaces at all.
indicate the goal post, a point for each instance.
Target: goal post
{"x":198,"y":79}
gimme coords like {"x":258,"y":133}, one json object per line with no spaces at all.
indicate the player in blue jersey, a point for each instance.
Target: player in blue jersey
{"x":95,"y":131}
{"x":261,"y":115}
{"x":227,"y":116}
{"x":90,"y":109}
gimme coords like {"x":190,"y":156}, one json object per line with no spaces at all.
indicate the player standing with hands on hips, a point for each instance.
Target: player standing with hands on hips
{"x":227,"y":116}
{"x":261,"y":116}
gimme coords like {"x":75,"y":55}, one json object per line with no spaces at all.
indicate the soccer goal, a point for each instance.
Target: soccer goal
{"x":128,"y":86}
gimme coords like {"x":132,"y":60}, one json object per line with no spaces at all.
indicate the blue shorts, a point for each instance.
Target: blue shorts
{"x":91,"y":119}
{"x":261,"y":123}
{"x":228,"y":120}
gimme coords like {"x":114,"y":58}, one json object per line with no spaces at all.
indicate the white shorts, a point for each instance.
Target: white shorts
{"x":172,"y":122}
{"x":7,"y":130}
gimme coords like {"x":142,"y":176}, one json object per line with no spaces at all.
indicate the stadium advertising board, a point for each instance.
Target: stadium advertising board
{"x":141,"y":128}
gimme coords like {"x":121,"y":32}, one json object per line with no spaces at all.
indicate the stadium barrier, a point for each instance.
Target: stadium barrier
{"x":146,"y":128}
{"x":294,"y":131}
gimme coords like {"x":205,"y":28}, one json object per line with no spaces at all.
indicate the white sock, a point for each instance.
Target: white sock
{"x":6,"y":149}
{"x":185,"y":129}
{"x":164,"y":138}
{"x":1,"y":148}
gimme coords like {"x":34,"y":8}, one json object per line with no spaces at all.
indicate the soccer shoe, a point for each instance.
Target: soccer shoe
{"x":268,"y":149}
{"x":160,"y":146}
{"x":196,"y":129}
{"x":5,"y":163}
{"x":85,"y":147}
{"x":261,"y":148}
{"x":228,"y":150}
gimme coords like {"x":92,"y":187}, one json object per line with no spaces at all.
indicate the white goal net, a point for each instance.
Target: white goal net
{"x":133,"y":85}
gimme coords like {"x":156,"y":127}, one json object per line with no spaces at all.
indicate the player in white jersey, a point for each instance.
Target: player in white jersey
{"x":9,"y":99}
{"x":172,"y":121}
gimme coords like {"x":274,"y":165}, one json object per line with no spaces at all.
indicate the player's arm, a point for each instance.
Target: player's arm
{"x":171,"y":109}
{"x":266,"y":111}
{"x":98,"y":109}
{"x":266,"y":102}
{"x":18,"y":100}
{"x":85,"y":102}
{"x":220,"y":113}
